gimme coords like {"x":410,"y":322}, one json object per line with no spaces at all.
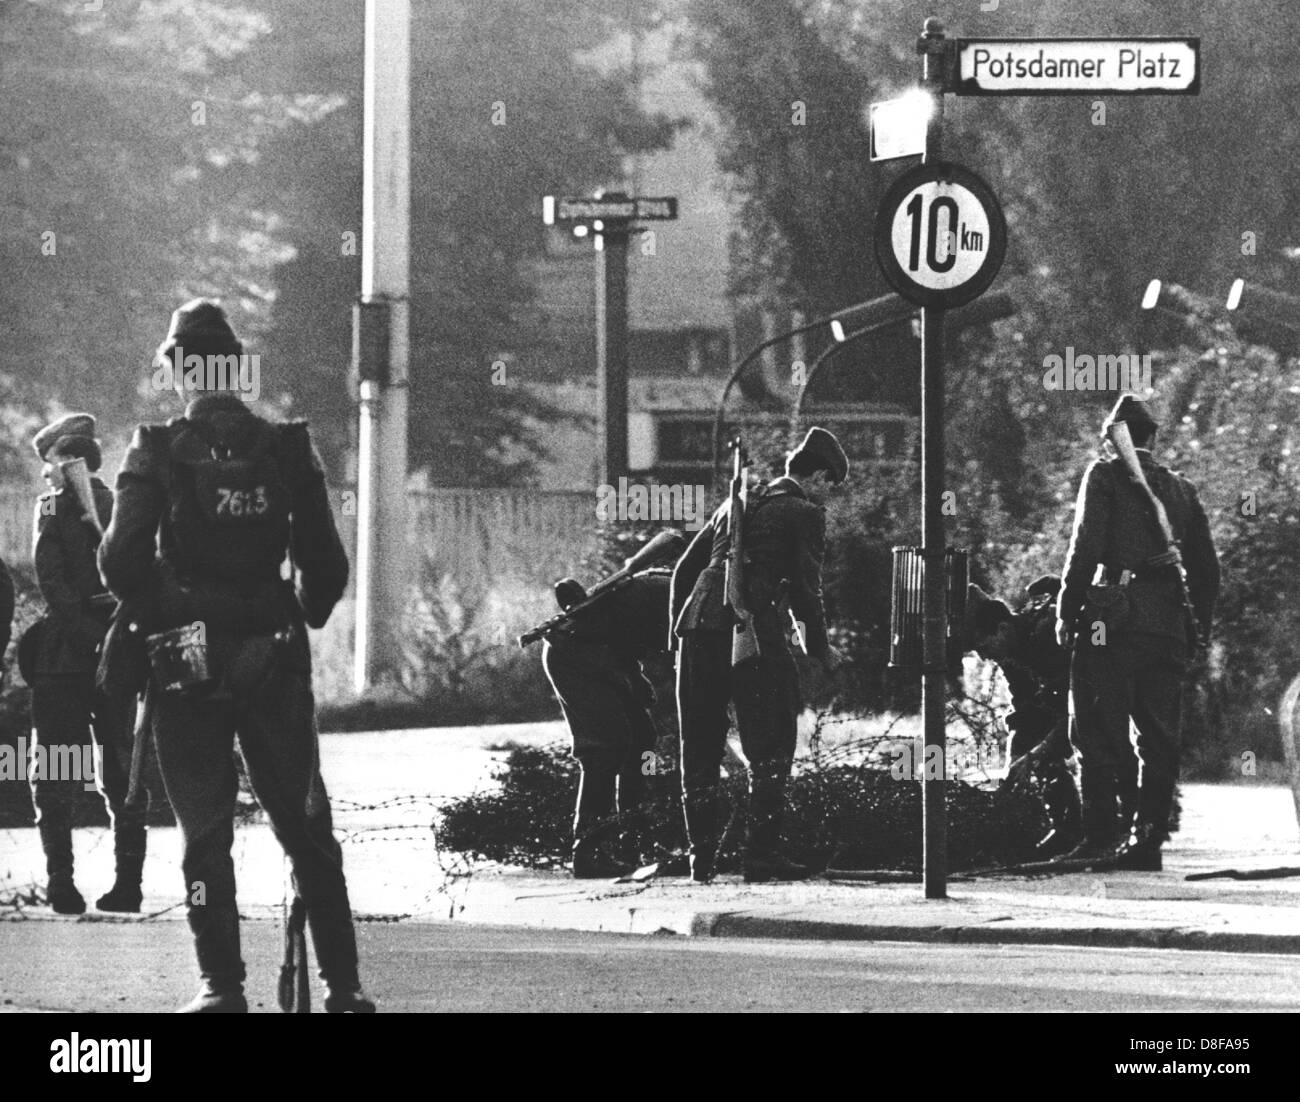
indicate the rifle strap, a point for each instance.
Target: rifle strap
{"x":1155,"y":508}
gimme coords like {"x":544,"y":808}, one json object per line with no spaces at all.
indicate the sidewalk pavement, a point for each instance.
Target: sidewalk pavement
{"x":396,"y":874}
{"x":1224,"y":827}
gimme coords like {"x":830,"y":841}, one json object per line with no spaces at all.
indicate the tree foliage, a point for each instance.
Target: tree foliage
{"x":157,"y":150}
{"x":507,"y":105}
{"x":127,"y":140}
{"x":1101,"y":196}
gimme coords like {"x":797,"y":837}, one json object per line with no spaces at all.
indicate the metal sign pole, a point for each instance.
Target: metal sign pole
{"x":385,"y":278}
{"x":611,"y":349}
{"x":612,"y":217}
{"x":933,"y":539}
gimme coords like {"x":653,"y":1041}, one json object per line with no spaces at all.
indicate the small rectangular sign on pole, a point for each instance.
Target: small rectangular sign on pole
{"x":898,"y":127}
{"x":564,"y":209}
{"x":1077,"y":66}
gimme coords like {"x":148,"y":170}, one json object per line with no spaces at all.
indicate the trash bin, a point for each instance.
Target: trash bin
{"x":906,"y":621}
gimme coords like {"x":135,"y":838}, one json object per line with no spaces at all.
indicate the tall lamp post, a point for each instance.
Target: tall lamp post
{"x":381,"y":339}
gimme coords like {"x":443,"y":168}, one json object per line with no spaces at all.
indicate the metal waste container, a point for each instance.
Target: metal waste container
{"x":906,"y":626}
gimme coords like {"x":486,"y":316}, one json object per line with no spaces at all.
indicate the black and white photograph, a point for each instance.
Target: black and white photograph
{"x":651,"y":506}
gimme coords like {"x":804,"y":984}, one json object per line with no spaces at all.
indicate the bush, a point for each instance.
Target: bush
{"x":846,"y":808}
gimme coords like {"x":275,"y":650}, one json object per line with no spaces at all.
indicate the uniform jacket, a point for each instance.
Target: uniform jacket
{"x":632,"y":619}
{"x":785,"y":543}
{"x":63,"y":555}
{"x":1038,"y":672}
{"x":139,"y":557}
{"x":595,"y":669}
{"x":1114,"y":527}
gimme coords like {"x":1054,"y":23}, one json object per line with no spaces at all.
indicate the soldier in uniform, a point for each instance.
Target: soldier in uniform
{"x":1132,"y":640}
{"x":594,"y":666}
{"x":209,"y":505}
{"x":1037,"y":672}
{"x":68,"y":710}
{"x":785,"y":541}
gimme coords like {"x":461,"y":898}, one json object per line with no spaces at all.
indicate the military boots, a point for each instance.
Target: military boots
{"x":1101,"y":827}
{"x":128,"y":850}
{"x":347,"y":999}
{"x":1141,"y":851}
{"x":61,"y":892}
{"x":700,"y":809}
{"x":64,"y":899}
{"x":594,"y":825}
{"x":216,"y":998}
{"x":764,"y":860}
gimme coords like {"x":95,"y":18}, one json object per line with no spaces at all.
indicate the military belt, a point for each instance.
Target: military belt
{"x":1115,"y":575}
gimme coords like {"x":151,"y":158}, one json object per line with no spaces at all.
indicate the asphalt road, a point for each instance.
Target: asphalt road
{"x":107,"y":966}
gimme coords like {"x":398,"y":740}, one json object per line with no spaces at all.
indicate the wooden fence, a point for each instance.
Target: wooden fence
{"x":482,"y":540}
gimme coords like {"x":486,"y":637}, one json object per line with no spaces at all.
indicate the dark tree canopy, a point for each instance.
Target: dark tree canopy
{"x":151,"y":152}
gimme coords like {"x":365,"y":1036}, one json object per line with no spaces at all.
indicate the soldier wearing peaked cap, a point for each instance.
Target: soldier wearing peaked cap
{"x":785,"y":542}
{"x":200,"y":327}
{"x":211,"y":508}
{"x":1131,"y":635}
{"x":68,"y":709}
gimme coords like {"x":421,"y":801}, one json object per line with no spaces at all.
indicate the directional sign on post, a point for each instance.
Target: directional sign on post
{"x":1077,"y":66}
{"x":940,"y":235}
{"x":607,"y":209}
{"x":612,"y":217}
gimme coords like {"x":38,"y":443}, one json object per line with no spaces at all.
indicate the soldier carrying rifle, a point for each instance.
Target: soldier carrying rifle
{"x":592,"y":655}
{"x":211,"y":507}
{"x":757,"y":560}
{"x":1134,"y":632}
{"x":68,"y":708}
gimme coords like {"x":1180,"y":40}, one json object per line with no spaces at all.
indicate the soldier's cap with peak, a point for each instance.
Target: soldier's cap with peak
{"x":76,"y":433}
{"x":200,"y":328}
{"x":568,"y":592}
{"x":820,"y":451}
{"x":1133,"y":411}
{"x":1045,"y":585}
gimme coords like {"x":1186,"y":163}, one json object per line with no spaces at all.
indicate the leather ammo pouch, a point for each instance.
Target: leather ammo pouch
{"x":184,"y":661}
{"x":1107,"y":603}
{"x":179,"y":659}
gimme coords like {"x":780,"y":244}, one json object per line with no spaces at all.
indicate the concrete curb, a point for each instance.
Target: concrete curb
{"x":741,"y":925}
{"x":658,"y":921}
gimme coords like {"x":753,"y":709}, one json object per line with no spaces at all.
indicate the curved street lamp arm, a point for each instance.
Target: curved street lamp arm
{"x":739,"y":370}
{"x":826,"y":353}
{"x":887,"y":309}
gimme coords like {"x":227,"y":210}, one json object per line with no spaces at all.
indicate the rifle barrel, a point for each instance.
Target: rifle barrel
{"x":597,"y":593}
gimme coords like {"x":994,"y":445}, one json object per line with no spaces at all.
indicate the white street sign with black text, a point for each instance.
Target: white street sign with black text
{"x":1077,"y":66}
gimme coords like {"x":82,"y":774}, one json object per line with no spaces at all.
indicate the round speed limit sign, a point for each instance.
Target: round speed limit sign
{"x":940,"y":235}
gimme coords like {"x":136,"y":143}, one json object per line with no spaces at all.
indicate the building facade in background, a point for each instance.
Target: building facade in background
{"x":686,"y":329}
